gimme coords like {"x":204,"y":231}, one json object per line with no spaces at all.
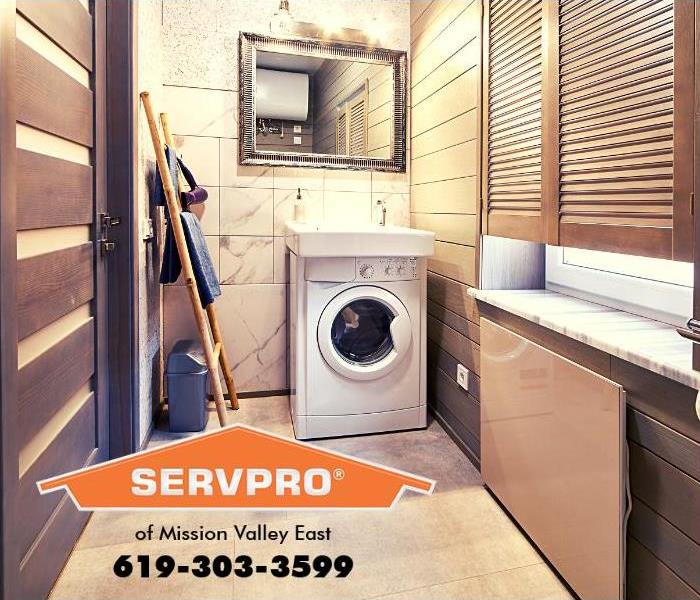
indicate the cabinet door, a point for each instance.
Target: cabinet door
{"x":552,"y":451}
{"x":512,"y":129}
{"x":626,"y":110}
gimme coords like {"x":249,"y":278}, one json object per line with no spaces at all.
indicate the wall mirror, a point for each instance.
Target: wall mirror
{"x":315,"y":103}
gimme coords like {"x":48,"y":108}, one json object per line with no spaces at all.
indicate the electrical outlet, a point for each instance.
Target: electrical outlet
{"x":297,"y":129}
{"x":297,"y":140}
{"x":463,"y":376}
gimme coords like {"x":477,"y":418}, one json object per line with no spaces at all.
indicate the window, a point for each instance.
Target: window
{"x":652,"y":287}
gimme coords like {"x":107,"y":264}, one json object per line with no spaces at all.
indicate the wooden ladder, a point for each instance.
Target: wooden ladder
{"x":214,"y":352}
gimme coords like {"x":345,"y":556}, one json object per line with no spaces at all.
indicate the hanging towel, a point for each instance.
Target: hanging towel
{"x":204,"y":273}
{"x":195,"y":195}
{"x":159,"y":192}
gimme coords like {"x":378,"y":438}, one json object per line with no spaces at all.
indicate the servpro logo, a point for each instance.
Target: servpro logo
{"x":193,"y":482}
{"x":236,"y":467}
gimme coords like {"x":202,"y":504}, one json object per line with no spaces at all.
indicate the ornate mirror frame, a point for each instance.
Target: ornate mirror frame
{"x":250,"y":43}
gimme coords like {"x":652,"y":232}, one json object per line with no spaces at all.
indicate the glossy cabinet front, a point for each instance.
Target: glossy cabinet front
{"x":553,"y":452}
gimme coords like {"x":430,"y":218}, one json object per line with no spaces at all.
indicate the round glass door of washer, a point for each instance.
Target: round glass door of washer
{"x":364,"y":332}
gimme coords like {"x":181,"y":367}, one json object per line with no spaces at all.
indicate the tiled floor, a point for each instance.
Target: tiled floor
{"x":456,"y":543}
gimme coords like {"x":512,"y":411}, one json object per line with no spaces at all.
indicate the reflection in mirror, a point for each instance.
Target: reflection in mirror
{"x":323,"y":105}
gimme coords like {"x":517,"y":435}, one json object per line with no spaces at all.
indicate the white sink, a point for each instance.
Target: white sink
{"x":357,"y":240}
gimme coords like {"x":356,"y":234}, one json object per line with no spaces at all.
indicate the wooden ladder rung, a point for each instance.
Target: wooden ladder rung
{"x":217,"y":351}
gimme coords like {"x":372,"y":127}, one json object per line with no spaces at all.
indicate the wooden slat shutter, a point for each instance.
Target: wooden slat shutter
{"x":357,"y":132}
{"x":625,"y":160}
{"x":513,"y":76}
{"x":341,"y":134}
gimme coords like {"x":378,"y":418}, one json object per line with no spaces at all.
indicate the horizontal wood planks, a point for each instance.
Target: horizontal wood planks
{"x":51,"y":379}
{"x":51,"y":100}
{"x":62,"y":198}
{"x":445,"y":182}
{"x":51,"y":285}
{"x":67,"y":22}
{"x":71,"y":449}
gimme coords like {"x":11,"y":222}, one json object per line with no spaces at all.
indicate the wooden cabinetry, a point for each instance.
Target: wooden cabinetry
{"x":595,"y":102}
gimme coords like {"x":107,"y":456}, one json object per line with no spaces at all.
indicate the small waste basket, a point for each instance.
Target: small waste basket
{"x":187,"y":382}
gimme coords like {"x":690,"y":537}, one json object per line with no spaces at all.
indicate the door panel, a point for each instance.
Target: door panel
{"x":552,"y":450}
{"x":61,"y":412}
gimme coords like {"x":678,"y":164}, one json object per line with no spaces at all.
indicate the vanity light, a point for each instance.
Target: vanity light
{"x":281,"y":21}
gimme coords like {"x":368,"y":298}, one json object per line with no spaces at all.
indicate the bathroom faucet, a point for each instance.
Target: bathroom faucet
{"x":382,"y":218}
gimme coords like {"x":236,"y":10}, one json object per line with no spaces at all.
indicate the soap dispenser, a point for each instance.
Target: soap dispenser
{"x":299,"y":208}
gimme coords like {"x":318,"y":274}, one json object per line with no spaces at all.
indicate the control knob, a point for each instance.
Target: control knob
{"x":389,"y":270}
{"x":366,"y":271}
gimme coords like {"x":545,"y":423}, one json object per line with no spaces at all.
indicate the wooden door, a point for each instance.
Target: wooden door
{"x":58,"y":421}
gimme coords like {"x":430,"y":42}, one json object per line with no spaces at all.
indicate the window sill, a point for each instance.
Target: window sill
{"x":649,"y":344}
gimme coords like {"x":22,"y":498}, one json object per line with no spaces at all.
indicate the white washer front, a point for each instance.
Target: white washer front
{"x":357,"y":352}
{"x":364,"y":333}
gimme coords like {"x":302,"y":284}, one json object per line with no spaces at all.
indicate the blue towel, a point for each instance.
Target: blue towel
{"x":204,"y":273}
{"x":159,"y":192}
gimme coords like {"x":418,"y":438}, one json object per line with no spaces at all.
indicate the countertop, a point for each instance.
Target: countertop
{"x":644,"y":342}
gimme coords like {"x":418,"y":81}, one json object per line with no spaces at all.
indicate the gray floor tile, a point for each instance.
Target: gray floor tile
{"x":536,"y":582}
{"x":457,"y":543}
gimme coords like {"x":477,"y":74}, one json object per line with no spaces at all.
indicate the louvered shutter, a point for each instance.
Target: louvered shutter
{"x":341,"y":134}
{"x":625,"y":119}
{"x":357,"y":131}
{"x":513,"y":150}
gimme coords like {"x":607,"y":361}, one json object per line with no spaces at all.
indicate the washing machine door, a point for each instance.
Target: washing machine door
{"x":364,"y":333}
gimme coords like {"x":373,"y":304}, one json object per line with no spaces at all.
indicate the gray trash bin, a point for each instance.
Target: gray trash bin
{"x":187,"y":381}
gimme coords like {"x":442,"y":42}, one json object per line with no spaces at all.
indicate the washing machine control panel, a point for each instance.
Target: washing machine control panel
{"x":395,"y":268}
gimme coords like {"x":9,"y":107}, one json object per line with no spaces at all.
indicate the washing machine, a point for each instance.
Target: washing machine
{"x":357,"y":329}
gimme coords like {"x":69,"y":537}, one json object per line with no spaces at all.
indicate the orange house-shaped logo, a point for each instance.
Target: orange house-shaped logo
{"x":236,"y":467}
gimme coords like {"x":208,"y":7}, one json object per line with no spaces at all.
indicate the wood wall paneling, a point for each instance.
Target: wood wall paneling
{"x":457,"y":407}
{"x":457,"y":344}
{"x":669,"y":491}
{"x":454,"y":261}
{"x":680,"y":451}
{"x":452,"y":295}
{"x":439,"y":359}
{"x":667,"y":543}
{"x":650,"y":579}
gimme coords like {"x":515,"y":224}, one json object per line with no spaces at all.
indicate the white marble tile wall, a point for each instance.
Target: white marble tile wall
{"x":247,"y":208}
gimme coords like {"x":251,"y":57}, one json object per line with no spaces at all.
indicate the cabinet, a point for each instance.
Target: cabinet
{"x":553,"y":435}
{"x":596,"y":102}
{"x":663,"y":437}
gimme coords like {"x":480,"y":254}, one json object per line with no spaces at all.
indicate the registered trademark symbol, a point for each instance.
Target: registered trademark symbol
{"x":338,"y":474}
